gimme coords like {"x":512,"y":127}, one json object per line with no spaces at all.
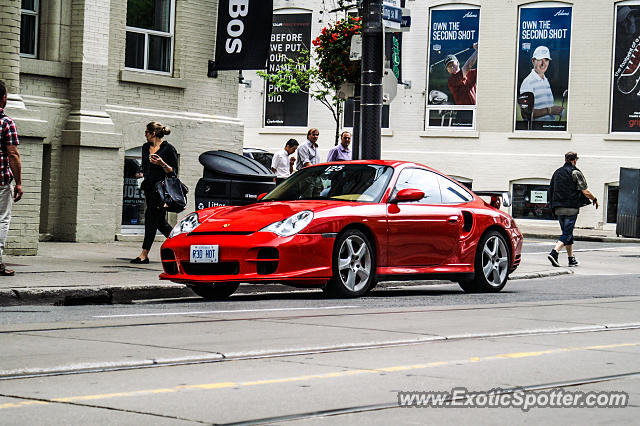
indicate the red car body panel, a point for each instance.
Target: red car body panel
{"x":408,"y":238}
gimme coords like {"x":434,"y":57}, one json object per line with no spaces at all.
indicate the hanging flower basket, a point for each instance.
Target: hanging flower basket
{"x":332,"y":51}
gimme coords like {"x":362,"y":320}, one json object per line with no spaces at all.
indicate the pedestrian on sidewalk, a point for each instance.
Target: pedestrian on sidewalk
{"x":159,"y":159}
{"x":341,"y":152}
{"x":308,"y":151}
{"x":10,"y":170}
{"x":282,"y":161}
{"x":568,"y":191}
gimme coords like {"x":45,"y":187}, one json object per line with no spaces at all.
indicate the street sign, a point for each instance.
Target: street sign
{"x":392,"y":14}
{"x":389,"y":86}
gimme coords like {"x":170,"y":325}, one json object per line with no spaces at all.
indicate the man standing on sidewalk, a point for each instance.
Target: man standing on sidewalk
{"x":568,"y":192}
{"x":10,"y":169}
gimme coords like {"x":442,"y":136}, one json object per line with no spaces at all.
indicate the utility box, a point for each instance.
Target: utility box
{"x":628,"y":220}
{"x":231,"y":179}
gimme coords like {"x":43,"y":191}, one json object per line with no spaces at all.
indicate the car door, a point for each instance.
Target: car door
{"x":425,"y":232}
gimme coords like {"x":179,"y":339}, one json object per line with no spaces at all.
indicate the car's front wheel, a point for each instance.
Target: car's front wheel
{"x":215,"y":291}
{"x":491,"y":267}
{"x":353,"y":265}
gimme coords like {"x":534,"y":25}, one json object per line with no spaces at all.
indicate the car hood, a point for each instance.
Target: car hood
{"x":254,"y":217}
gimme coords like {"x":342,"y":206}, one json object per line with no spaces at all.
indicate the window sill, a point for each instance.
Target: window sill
{"x":526,"y":134}
{"x":45,"y":68}
{"x":632,"y":137}
{"x":441,"y":133}
{"x":142,"y":77}
{"x":283,"y":130}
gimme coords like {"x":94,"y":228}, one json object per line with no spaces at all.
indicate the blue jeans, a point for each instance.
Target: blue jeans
{"x":567,"y":223}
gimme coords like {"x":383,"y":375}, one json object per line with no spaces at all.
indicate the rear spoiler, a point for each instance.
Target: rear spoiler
{"x":497,"y":198}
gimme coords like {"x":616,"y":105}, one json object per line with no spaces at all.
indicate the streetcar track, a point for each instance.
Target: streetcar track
{"x":221,"y":357}
{"x":578,"y":302}
{"x":394,"y":405}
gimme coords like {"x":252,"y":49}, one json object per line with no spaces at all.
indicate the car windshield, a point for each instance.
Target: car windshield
{"x":350,"y":182}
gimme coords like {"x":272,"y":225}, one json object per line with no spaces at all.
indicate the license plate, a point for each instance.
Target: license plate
{"x":203,"y":254}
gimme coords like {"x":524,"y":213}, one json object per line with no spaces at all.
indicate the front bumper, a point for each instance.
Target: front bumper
{"x":253,"y":258}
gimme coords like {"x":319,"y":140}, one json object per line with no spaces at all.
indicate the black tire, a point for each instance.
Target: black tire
{"x":353,"y":265}
{"x":215,"y":291}
{"x":491,"y":266}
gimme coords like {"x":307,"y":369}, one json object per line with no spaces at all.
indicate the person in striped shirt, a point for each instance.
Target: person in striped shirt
{"x":10,"y":170}
{"x":538,"y":84}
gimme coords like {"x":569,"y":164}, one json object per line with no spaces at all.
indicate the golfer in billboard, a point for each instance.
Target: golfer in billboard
{"x":543,"y":68}
{"x":452,"y":72}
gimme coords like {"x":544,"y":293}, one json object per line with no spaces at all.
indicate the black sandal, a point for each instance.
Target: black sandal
{"x":139,"y":261}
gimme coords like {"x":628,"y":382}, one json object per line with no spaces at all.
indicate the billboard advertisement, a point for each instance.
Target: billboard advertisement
{"x":290,"y":36}
{"x":625,"y":105}
{"x":452,"y":67}
{"x":544,"y":47}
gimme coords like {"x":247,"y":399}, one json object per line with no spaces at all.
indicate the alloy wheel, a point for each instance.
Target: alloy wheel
{"x":495,"y":261}
{"x":354,"y":263}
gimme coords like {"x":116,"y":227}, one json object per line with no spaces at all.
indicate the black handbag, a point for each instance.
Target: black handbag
{"x":173,"y":193}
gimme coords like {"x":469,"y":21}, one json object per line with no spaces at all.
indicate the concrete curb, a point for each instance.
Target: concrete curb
{"x":531,"y":275}
{"x":594,"y":238}
{"x":103,"y":295}
{"x":107,"y":295}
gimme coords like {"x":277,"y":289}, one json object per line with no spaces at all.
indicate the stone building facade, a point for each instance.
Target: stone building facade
{"x":493,"y":153}
{"x":84,"y":78}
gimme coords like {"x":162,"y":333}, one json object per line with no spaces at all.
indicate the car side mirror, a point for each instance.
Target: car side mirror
{"x":408,"y":194}
{"x":261,"y":196}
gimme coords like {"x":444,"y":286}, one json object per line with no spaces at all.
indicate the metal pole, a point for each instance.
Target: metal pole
{"x":371,"y":83}
{"x":356,"y":146}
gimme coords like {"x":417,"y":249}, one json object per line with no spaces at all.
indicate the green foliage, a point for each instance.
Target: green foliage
{"x":332,"y":49}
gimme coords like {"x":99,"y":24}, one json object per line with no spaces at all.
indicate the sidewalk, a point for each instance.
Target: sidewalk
{"x":85,"y":273}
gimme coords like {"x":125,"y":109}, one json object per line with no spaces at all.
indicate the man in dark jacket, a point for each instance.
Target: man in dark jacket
{"x":568,"y":192}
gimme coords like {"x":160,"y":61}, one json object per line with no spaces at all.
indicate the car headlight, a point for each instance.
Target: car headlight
{"x":291,"y":225}
{"x":187,"y":224}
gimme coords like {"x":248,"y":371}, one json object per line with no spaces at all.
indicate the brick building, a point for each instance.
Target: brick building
{"x":592,"y":45}
{"x":84,"y":77}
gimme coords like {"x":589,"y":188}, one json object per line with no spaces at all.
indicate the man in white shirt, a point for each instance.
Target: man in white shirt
{"x":282,"y":163}
{"x":537,"y":83}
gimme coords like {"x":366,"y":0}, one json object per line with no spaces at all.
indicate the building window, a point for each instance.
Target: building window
{"x":452,"y":71}
{"x":625,"y":81}
{"x":29,"y":28}
{"x":544,"y":50}
{"x":149,"y":40}
{"x":132,"y":197}
{"x":531,"y":201}
{"x":347,"y":114}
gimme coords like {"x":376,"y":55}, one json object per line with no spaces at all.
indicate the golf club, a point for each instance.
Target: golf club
{"x":442,"y":60}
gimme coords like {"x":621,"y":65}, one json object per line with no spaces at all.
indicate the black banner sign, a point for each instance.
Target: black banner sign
{"x":242,"y":38}
{"x":625,"y":111}
{"x":291,"y":35}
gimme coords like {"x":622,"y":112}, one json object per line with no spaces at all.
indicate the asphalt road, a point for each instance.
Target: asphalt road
{"x":294,"y":356}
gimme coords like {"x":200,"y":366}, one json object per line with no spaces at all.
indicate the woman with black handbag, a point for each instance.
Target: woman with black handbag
{"x":159,"y":159}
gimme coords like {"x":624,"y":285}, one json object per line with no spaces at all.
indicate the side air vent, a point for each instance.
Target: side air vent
{"x":467,"y":221}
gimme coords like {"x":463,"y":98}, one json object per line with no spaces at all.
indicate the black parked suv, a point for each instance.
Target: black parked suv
{"x":260,"y":155}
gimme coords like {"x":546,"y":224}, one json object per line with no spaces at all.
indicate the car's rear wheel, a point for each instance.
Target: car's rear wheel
{"x":215,"y":291}
{"x":353,"y":265}
{"x":491,"y":265}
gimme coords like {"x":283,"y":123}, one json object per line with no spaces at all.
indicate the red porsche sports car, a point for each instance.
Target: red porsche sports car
{"x":345,"y":226}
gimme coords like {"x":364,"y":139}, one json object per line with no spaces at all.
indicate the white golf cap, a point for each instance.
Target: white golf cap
{"x":541,"y":52}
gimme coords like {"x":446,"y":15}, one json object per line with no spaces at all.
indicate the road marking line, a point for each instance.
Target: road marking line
{"x":224,"y":312}
{"x":321,"y":376}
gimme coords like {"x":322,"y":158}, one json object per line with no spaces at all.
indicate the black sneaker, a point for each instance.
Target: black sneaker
{"x":573,"y":261}
{"x":553,"y":258}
